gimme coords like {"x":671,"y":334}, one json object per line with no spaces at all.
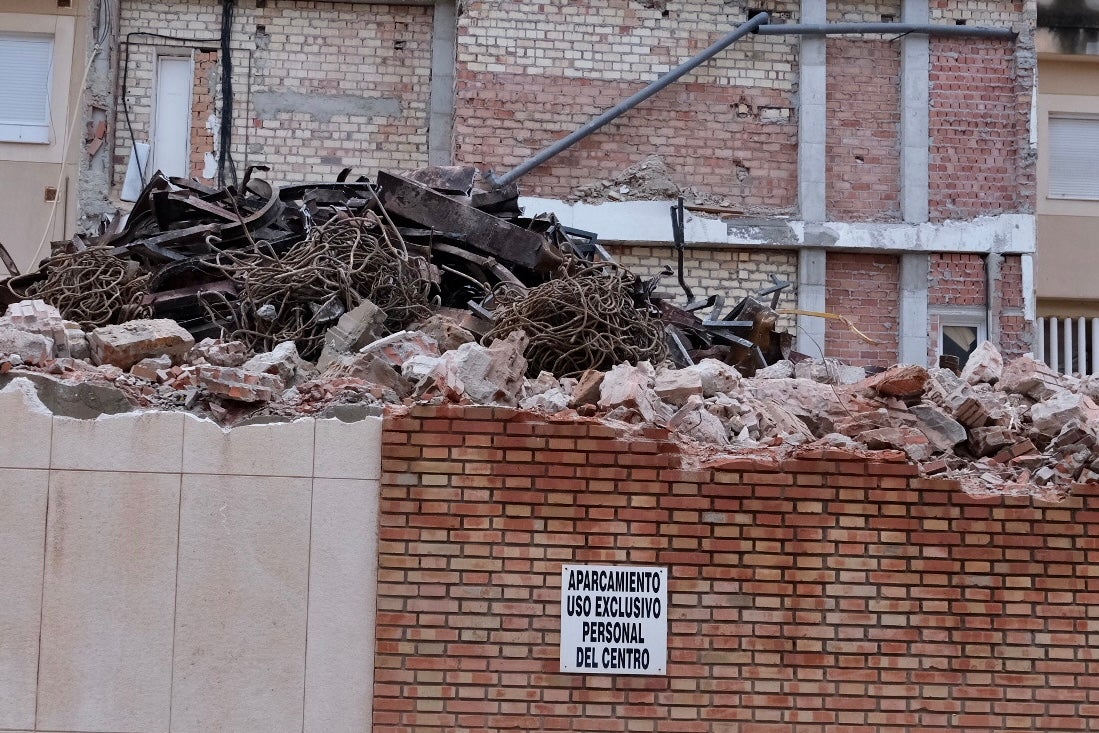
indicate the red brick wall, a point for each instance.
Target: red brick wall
{"x":978,"y":127}
{"x":1015,"y":332}
{"x":203,"y":105}
{"x":504,"y":119}
{"x":819,"y":594}
{"x":957,"y":279}
{"x":863,"y":140}
{"x":866,"y":290}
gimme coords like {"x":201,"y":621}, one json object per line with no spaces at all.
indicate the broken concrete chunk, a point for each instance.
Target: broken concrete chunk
{"x":988,"y":441}
{"x":1051,"y":416}
{"x":446,"y":331}
{"x":127,"y":344}
{"x":902,"y":437}
{"x":485,"y":374}
{"x":985,"y":364}
{"x":694,"y":421}
{"x":370,"y":369}
{"x":625,"y":384}
{"x":906,"y":381}
{"x":587,"y":389}
{"x":219,"y":353}
{"x":779,"y":370}
{"x":32,"y":348}
{"x":398,"y":348}
{"x":829,"y":371}
{"x":676,"y":386}
{"x":551,"y":401}
{"x":717,"y":376}
{"x":355,"y":329}
{"x":1028,"y":376}
{"x":84,"y":400}
{"x":240,"y":385}
{"x":282,"y":361}
{"x":943,"y":431}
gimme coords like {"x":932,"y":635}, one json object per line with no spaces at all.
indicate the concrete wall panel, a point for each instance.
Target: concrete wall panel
{"x":108,"y":601}
{"x":277,"y":449}
{"x":241,"y":620}
{"x":22,"y":535}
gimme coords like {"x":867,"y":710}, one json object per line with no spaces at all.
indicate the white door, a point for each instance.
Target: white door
{"x":172,"y":116}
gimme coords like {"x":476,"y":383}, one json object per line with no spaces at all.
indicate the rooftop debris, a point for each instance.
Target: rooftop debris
{"x":339,"y":299}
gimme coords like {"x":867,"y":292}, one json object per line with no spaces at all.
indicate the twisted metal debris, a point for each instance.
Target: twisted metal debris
{"x":92,"y":288}
{"x":338,"y":265}
{"x":585,"y":319}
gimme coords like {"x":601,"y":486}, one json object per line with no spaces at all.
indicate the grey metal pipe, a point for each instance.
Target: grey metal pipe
{"x":833,"y":29}
{"x":624,"y":106}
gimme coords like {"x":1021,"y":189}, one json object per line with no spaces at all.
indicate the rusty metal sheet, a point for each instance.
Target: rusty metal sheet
{"x":418,"y":203}
{"x":8,"y":261}
{"x":446,"y":178}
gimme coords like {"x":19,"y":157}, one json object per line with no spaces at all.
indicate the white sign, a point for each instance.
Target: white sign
{"x":614,"y":620}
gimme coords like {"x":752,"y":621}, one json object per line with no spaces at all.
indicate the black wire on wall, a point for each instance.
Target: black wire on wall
{"x":225,"y":157}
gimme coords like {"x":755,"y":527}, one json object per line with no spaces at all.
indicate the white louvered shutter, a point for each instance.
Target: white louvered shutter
{"x":1073,"y":157}
{"x":26,"y":64}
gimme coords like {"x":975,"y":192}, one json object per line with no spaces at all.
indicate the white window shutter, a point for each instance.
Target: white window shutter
{"x":1073,"y":157}
{"x":27,"y":63}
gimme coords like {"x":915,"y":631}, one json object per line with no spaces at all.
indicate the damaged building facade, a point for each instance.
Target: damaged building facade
{"x":891,"y":179}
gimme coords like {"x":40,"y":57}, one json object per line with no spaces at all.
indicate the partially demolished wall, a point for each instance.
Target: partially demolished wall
{"x":827,"y":591}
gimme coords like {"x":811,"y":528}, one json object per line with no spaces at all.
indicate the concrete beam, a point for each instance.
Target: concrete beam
{"x":812,"y":267}
{"x":812,"y":116}
{"x":915,"y":104}
{"x":915,"y":269}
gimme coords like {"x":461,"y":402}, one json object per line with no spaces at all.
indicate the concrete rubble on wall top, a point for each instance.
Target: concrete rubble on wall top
{"x":1016,"y":428}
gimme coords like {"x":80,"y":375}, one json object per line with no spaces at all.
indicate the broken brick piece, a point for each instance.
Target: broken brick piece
{"x":240,"y":385}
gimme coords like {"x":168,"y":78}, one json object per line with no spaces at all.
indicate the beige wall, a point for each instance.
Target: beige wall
{"x":26,"y":169}
{"x":161,"y":574}
{"x":1068,"y":231}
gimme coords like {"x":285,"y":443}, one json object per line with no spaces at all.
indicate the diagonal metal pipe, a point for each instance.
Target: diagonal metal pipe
{"x":835,"y":29}
{"x":625,"y":105}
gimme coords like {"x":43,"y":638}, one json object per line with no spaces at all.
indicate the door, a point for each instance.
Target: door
{"x":172,"y":116}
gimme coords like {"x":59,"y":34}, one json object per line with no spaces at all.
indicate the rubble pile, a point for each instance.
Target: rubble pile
{"x":336,"y":300}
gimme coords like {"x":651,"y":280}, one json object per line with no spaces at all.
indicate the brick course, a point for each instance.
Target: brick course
{"x":823,"y":593}
{"x":864,"y":130}
{"x":864,"y":288}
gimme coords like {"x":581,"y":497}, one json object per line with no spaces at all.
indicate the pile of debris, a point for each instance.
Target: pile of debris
{"x":265,"y":266}
{"x":1015,"y":429}
{"x":338,"y":299}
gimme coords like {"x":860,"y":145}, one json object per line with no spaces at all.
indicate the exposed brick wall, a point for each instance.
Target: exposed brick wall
{"x":203,"y":109}
{"x":727,"y":271}
{"x":957,"y":279}
{"x":526,"y":79}
{"x":864,"y":130}
{"x":1016,"y":334}
{"x":863,"y":11}
{"x":820,"y":594}
{"x":317,"y":58}
{"x":865,"y":289}
{"x":979,"y":163}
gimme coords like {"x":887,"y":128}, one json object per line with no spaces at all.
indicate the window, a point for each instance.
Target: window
{"x":1073,"y":156}
{"x":961,"y":329}
{"x":27,"y":61}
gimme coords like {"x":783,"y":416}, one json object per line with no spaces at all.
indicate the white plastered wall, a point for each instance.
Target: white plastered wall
{"x":161,"y":574}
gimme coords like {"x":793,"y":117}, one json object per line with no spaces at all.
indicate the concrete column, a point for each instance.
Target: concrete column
{"x":915,"y":268}
{"x":444,"y":48}
{"x":812,"y":120}
{"x":915,"y":102}
{"x":812,"y":264}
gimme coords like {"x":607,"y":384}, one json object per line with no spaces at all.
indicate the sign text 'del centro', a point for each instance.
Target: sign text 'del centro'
{"x":614,"y":620}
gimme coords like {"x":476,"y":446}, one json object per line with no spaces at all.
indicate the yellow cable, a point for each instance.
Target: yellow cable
{"x":832,"y":316}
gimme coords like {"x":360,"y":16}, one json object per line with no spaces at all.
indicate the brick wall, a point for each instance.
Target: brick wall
{"x":301,"y":73}
{"x":203,"y":113}
{"x":1016,"y":334}
{"x":526,"y":79}
{"x":864,"y":130}
{"x":727,"y":271}
{"x":863,"y":288}
{"x":830,"y":592}
{"x":864,"y":11}
{"x":979,"y":163}
{"x":957,"y":279}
